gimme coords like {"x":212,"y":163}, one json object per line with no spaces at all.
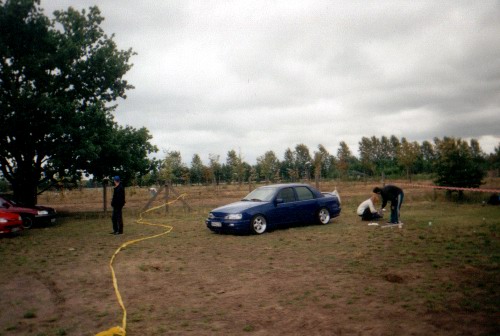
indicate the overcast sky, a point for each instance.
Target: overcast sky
{"x":254,"y":76}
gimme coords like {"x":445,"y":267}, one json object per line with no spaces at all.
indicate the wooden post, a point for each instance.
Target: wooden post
{"x":176,"y":194}
{"x":167,"y":195}
{"x":152,"y":199}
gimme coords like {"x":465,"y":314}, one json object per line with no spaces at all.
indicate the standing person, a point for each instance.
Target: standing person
{"x":367,"y":211}
{"x":117,"y":202}
{"x":394,"y":195}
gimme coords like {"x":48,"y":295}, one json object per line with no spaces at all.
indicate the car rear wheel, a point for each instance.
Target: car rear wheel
{"x":258,"y":224}
{"x":27,"y":222}
{"x":323,"y":216}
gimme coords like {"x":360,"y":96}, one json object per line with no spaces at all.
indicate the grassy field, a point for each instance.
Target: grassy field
{"x":438,"y":275}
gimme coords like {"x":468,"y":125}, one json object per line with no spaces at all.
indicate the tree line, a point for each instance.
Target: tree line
{"x":60,"y":79}
{"x":450,"y":161}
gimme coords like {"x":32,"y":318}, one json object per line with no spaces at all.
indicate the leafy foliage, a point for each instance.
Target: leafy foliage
{"x":407,"y":155}
{"x":58,"y":79}
{"x":269,"y":164}
{"x":458,"y":164}
{"x":494,"y":159}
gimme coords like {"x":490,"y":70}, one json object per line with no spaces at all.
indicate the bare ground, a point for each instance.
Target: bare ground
{"x":344,"y":278}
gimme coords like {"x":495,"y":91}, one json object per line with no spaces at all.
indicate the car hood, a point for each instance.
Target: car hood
{"x":237,"y":207}
{"x":41,"y":207}
{"x":9,"y":215}
{"x":32,"y":208}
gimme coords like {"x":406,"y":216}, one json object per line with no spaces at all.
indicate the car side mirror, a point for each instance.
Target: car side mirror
{"x":279,"y":201}
{"x":6,"y":205}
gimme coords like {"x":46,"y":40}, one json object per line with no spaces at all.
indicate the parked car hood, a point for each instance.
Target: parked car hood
{"x":9,"y":215}
{"x":237,"y":207}
{"x":41,"y":207}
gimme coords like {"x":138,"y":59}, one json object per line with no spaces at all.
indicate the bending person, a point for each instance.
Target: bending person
{"x":394,"y":195}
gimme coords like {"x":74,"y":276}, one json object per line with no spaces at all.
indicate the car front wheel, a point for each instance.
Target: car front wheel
{"x":323,"y":216}
{"x":27,"y":222}
{"x":258,"y":224}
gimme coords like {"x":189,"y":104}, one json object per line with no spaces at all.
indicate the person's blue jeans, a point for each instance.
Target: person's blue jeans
{"x":396,"y":208}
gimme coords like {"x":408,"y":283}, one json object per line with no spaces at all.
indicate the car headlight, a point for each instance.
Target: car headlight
{"x":3,"y":220}
{"x":211,"y":216}
{"x":43,"y":212}
{"x":234,"y":216}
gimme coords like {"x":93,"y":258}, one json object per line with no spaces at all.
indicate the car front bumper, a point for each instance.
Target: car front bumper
{"x":228,"y":225}
{"x":45,"y":219}
{"x":11,"y":228}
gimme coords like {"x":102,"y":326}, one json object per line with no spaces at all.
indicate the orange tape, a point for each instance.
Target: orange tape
{"x":451,"y":188}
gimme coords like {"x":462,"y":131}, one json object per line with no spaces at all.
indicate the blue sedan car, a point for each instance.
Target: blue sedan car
{"x":272,"y":206}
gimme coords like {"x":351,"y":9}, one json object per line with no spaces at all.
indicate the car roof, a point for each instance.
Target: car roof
{"x":281,"y":185}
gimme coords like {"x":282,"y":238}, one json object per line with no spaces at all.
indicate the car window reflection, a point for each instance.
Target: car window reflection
{"x":287,"y":195}
{"x":304,"y":193}
{"x":261,"y":195}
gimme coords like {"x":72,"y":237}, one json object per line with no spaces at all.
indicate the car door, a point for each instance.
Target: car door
{"x":306,"y":204}
{"x":284,"y":211}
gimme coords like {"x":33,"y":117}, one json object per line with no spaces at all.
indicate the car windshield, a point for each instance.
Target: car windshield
{"x":8,"y":198}
{"x":261,"y":195}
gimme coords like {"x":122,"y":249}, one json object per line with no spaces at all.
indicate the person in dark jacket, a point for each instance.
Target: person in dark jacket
{"x":117,"y":202}
{"x":392,"y":194}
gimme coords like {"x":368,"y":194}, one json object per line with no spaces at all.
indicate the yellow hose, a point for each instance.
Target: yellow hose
{"x":121,"y":331}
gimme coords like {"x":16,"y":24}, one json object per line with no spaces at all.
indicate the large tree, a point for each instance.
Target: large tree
{"x":408,"y":154}
{"x":494,"y":159}
{"x":324,"y":164}
{"x":459,"y":164}
{"x":235,"y":168}
{"x":59,"y":79}
{"x":345,"y":159}
{"x":303,"y":161}
{"x":196,"y":170}
{"x":378,"y":156}
{"x":269,"y":166}
{"x":289,"y":166}
{"x":173,"y":170}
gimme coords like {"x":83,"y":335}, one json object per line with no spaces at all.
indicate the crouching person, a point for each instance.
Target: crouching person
{"x":367,"y":211}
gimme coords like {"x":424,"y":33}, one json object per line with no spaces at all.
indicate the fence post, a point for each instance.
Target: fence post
{"x":167,"y":195}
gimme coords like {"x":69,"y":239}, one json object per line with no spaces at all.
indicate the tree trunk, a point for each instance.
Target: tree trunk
{"x":25,"y":186}
{"x":104,"y":195}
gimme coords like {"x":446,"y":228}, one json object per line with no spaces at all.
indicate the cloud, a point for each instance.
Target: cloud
{"x":254,"y":76}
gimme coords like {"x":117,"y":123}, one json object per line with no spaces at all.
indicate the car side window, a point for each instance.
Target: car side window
{"x":287,"y":195}
{"x":304,"y":193}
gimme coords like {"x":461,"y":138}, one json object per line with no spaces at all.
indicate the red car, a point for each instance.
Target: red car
{"x":30,"y":214}
{"x":10,"y":222}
